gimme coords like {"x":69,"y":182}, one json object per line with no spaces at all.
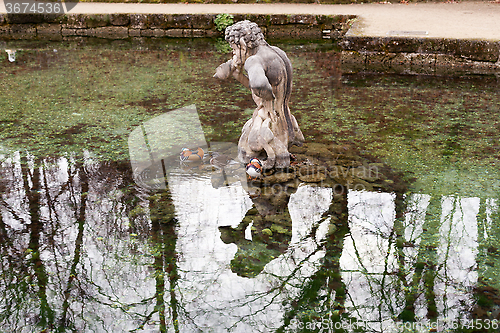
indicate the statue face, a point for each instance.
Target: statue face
{"x":240,"y":53}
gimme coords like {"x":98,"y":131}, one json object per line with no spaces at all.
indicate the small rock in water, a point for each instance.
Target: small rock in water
{"x":313,"y":178}
{"x":279,"y":177}
{"x":369,"y":174}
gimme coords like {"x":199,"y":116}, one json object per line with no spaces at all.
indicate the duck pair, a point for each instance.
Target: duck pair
{"x":253,"y":168}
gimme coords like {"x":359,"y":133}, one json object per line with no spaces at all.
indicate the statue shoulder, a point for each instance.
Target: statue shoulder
{"x":253,"y":61}
{"x":267,"y":55}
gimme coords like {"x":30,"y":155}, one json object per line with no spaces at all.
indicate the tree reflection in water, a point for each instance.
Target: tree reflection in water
{"x":83,"y":249}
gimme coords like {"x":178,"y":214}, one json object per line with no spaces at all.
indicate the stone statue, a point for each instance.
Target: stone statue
{"x":272,"y":130}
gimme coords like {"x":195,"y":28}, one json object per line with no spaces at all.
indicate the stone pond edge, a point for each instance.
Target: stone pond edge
{"x":388,"y":54}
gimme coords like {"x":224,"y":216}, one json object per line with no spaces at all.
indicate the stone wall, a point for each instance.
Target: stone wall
{"x":421,"y":55}
{"x":388,"y":54}
{"x":122,"y":26}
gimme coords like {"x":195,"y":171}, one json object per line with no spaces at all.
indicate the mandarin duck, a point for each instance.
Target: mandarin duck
{"x":188,"y":155}
{"x":254,"y":168}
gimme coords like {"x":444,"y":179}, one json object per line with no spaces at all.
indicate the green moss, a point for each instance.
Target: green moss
{"x":441,"y":132}
{"x":279,"y":229}
{"x":267,"y":232}
{"x":222,"y":21}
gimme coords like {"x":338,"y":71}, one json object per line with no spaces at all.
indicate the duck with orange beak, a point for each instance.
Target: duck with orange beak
{"x":254,"y":168}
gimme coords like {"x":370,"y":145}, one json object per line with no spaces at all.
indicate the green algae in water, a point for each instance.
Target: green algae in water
{"x":432,"y":132}
{"x":440,"y":132}
{"x":90,"y":98}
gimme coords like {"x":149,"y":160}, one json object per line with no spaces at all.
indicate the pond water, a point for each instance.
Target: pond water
{"x":103,"y":230}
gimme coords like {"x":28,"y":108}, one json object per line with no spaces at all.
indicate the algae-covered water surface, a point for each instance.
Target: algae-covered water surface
{"x":389,"y":221}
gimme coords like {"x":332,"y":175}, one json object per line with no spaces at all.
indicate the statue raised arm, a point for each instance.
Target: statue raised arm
{"x":272,"y":128}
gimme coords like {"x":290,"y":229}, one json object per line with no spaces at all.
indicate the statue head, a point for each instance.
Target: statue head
{"x":245,"y":33}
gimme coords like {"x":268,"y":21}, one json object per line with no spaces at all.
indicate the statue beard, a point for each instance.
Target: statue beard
{"x":243,"y":56}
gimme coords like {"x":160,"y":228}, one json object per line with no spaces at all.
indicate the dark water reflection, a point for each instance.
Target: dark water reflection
{"x":86,"y":247}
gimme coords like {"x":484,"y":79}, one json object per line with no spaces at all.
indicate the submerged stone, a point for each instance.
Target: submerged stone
{"x":370,"y":174}
{"x":313,"y":178}
{"x":267,"y":232}
{"x":279,"y":177}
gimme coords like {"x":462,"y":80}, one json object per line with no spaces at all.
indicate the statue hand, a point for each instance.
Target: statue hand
{"x":224,"y":70}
